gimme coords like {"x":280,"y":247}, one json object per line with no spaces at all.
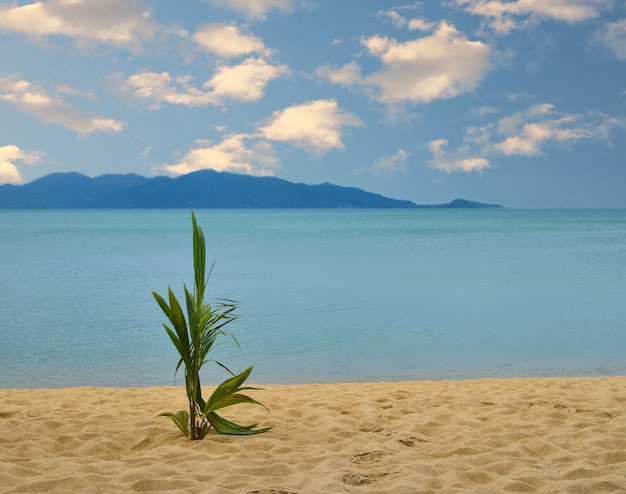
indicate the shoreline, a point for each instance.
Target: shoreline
{"x":555,"y":434}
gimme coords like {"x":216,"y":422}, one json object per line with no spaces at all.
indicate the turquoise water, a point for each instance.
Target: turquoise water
{"x":330,"y":295}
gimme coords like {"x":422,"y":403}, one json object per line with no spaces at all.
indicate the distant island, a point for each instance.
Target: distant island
{"x":201,"y":189}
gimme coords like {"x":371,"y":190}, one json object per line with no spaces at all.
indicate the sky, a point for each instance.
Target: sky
{"x":519,"y":102}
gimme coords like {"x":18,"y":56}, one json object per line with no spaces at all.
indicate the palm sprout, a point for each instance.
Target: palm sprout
{"x":194,"y":338}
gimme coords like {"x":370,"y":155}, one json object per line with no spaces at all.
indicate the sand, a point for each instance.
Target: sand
{"x":514,"y":435}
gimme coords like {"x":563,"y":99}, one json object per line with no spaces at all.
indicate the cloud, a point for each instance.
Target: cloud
{"x":145,"y":154}
{"x":613,"y":36}
{"x":400,"y":21}
{"x":159,"y":87}
{"x":254,"y":9}
{"x":28,"y":98}
{"x":228,"y":41}
{"x":390,"y":165}
{"x":243,"y":82}
{"x":232,"y":154}
{"x":506,"y":15}
{"x":315,"y":126}
{"x":442,"y":65}
{"x":9,"y":157}
{"x":122,"y":23}
{"x":419,"y":25}
{"x":526,"y":133}
{"x":348,"y":75}
{"x":393,"y":17}
{"x":453,"y":161}
{"x":246,"y":81}
{"x":483,"y":110}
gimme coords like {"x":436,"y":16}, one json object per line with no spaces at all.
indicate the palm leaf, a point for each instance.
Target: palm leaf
{"x":162,"y":303}
{"x":177,"y":318}
{"x":199,"y":259}
{"x":235,"y":399}
{"x":224,"y":426}
{"x":180,"y":418}
{"x":228,"y":393}
{"x":224,"y":390}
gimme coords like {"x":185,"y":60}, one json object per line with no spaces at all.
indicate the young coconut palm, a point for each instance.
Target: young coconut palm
{"x":194,"y":338}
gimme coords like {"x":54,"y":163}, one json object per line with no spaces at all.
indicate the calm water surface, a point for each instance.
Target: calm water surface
{"x":327,"y":295}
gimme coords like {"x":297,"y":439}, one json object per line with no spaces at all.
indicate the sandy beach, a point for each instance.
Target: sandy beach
{"x":561,"y":435}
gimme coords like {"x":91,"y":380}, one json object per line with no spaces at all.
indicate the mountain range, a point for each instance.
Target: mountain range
{"x":201,"y":189}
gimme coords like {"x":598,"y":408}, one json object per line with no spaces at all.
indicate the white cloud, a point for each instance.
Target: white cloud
{"x":123,"y":23}
{"x":506,"y":15}
{"x":243,"y":82}
{"x":377,"y":45}
{"x":525,"y":133}
{"x":159,"y":88}
{"x":348,"y":75}
{"x":228,"y":41}
{"x":9,"y":157}
{"x":232,"y":154}
{"x":390,"y":165}
{"x":28,"y":98}
{"x":315,"y":126}
{"x":452,"y":161}
{"x":400,"y":21}
{"x":442,"y":65}
{"x":393,"y":17}
{"x":411,"y":6}
{"x":246,"y":81}
{"x":613,"y":35}
{"x":254,"y":9}
{"x":420,"y":25}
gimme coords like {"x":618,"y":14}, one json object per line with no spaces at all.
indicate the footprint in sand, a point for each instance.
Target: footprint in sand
{"x":411,"y":440}
{"x":369,"y":457}
{"x":356,"y":479}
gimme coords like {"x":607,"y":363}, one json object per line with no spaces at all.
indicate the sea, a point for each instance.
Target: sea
{"x":342,"y":295}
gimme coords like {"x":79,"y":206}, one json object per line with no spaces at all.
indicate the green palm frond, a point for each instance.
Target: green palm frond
{"x":180,"y":418}
{"x":224,"y":426}
{"x":227,"y":393}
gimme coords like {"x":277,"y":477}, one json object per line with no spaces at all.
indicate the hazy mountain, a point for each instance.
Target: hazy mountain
{"x":202,"y":189}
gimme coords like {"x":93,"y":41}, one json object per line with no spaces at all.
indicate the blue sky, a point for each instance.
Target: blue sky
{"x":521,"y":103}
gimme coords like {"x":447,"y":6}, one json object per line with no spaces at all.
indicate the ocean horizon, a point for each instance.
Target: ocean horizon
{"x":325,"y":295}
